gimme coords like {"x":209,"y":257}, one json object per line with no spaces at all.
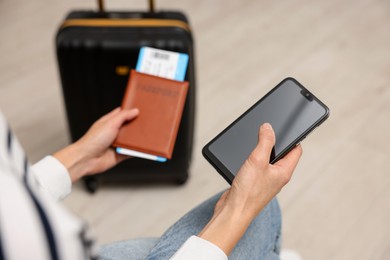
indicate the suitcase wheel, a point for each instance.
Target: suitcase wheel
{"x":91,"y":184}
{"x":181,"y":180}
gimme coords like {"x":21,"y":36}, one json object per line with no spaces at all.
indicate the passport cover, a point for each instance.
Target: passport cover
{"x":161,"y":103}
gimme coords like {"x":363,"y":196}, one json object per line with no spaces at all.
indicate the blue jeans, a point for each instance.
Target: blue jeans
{"x":261,"y":240}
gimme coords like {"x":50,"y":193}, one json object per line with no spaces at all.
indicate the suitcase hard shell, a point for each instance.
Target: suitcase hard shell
{"x":95,"y":52}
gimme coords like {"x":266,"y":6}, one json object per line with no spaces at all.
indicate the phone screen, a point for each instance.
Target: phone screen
{"x":292,"y":111}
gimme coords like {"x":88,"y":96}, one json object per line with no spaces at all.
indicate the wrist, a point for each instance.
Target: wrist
{"x":226,"y":227}
{"x":74,"y":161}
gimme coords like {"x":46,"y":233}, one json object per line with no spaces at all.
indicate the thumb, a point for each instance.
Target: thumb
{"x":266,"y":143}
{"x":125,"y":115}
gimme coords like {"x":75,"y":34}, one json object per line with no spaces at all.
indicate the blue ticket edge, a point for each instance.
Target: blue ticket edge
{"x":181,"y":67}
{"x":140,"y":59}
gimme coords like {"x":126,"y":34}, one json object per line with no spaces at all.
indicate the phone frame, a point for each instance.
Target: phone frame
{"x":225,"y":172}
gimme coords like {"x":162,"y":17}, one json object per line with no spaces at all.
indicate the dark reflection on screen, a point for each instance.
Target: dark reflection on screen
{"x":284,"y":135}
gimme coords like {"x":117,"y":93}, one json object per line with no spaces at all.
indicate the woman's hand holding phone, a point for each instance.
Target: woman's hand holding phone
{"x":256,"y":184}
{"x":291,"y":109}
{"x":258,"y":181}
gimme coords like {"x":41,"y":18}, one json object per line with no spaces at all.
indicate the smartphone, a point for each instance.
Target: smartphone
{"x":291,"y":109}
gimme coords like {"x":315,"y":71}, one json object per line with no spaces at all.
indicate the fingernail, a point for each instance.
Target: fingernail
{"x":266,"y":126}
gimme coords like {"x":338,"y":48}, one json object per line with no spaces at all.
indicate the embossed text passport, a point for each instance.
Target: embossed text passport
{"x":161,"y":101}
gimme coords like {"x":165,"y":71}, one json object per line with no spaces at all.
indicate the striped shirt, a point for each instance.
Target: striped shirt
{"x":33,"y":225}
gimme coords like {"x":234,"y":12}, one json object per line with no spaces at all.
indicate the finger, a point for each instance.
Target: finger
{"x":262,"y":151}
{"x":290,"y":160}
{"x":111,"y":114}
{"x":130,"y":113}
{"x":125,"y":115}
{"x":121,"y":157}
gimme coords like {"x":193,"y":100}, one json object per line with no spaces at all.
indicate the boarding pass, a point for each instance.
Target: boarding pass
{"x":162,"y":63}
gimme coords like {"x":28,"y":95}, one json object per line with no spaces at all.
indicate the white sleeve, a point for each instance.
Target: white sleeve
{"x":196,"y":248}
{"x":52,"y":177}
{"x":32,"y":224}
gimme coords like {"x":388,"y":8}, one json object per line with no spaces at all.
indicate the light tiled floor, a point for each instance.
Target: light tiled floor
{"x":337,"y":204}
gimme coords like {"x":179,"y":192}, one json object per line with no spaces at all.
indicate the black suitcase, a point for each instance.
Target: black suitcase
{"x":95,"y":51}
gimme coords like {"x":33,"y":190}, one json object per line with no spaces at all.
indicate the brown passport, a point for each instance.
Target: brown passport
{"x":161,"y":103}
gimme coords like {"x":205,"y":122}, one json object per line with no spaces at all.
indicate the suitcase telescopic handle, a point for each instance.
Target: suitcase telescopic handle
{"x":151,"y":6}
